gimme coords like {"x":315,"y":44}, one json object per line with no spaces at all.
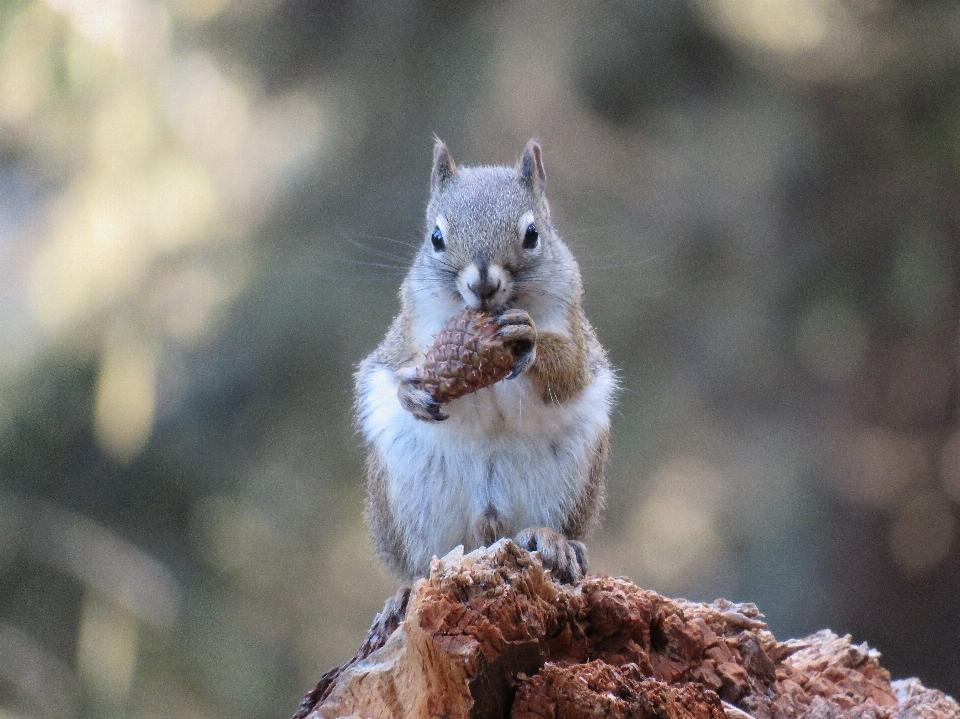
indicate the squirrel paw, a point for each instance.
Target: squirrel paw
{"x":566,"y":558}
{"x":516,"y":327}
{"x":415,"y":400}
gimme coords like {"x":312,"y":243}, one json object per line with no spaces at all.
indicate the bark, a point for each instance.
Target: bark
{"x":491,"y":634}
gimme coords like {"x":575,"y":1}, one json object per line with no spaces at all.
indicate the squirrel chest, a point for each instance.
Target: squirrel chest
{"x":503,"y":448}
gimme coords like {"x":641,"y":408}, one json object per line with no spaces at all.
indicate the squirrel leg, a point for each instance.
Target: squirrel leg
{"x":415,"y":400}
{"x":566,"y":558}
{"x":517,"y":328}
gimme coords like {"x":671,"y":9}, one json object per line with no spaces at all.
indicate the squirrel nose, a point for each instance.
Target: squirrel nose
{"x":484,"y":289}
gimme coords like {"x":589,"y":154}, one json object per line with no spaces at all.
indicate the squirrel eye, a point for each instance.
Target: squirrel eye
{"x":437,"y":239}
{"x":530,"y":237}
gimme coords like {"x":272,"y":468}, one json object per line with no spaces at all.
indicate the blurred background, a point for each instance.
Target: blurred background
{"x":207,"y":207}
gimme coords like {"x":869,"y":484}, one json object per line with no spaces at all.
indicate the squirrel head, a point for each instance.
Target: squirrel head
{"x":488,"y":233}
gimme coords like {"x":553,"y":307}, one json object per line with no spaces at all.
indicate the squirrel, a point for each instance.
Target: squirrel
{"x":522,"y":458}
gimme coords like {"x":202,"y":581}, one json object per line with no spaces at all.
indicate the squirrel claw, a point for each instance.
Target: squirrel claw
{"x":565,"y":558}
{"x":514,"y":317}
{"x":433,"y":410}
{"x":426,"y":409}
{"x":522,"y":364}
{"x":415,"y":400}
{"x":517,"y":327}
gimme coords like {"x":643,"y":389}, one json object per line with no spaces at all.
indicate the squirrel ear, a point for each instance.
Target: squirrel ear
{"x":444,"y":168}
{"x":530,"y":167}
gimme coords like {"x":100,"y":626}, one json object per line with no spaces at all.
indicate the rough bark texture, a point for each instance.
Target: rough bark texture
{"x":490,"y":634}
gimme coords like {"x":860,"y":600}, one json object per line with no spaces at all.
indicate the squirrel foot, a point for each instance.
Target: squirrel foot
{"x":566,"y":558}
{"x":415,"y":400}
{"x":517,"y":328}
{"x":387,"y":620}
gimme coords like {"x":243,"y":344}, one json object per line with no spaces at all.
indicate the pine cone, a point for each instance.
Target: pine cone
{"x":466,"y":356}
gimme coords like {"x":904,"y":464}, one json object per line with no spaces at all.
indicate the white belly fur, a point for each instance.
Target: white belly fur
{"x":501,"y":447}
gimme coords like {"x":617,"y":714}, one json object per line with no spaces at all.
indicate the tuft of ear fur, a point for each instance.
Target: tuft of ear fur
{"x":530,"y":167}
{"x":444,"y":168}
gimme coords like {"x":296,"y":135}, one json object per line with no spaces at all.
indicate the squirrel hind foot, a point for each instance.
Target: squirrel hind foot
{"x":565,"y":558}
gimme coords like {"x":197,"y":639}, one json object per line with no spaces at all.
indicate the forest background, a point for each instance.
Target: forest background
{"x":207,"y":207}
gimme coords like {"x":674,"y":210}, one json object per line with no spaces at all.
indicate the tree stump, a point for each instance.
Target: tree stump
{"x":490,"y":634}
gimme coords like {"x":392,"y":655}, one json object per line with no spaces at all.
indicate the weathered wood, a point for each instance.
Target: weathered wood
{"x":491,"y":634}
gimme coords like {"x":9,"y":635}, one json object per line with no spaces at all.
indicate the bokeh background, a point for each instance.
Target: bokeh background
{"x":206,"y":208}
